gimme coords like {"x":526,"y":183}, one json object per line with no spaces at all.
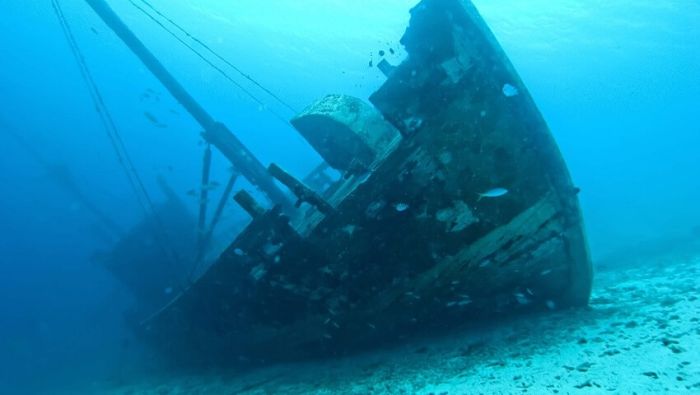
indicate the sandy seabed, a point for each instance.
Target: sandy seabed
{"x":640,"y":335}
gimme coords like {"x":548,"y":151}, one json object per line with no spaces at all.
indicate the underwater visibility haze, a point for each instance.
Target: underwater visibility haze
{"x":361,"y":131}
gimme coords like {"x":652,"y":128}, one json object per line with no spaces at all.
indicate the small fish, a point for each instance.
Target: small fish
{"x":493,"y":193}
{"x":521,"y":298}
{"x":382,"y":53}
{"x":401,"y":207}
{"x":391,"y":51}
{"x":94,"y":31}
{"x":151,"y":118}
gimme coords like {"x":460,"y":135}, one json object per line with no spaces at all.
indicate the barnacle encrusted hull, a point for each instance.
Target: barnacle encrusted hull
{"x":409,"y":244}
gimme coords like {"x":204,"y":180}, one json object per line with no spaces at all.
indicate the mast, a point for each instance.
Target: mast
{"x":215,"y":133}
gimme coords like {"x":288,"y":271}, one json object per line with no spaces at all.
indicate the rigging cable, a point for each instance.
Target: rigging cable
{"x":221,"y":58}
{"x":114,"y":136}
{"x":211,"y":64}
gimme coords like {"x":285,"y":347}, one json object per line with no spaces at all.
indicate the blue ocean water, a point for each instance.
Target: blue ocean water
{"x":617,"y":81}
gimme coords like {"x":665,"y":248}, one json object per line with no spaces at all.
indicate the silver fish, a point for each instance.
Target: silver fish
{"x":400,"y":207}
{"x":493,"y":193}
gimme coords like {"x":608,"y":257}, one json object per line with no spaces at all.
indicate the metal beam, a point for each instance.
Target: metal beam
{"x":215,"y":132}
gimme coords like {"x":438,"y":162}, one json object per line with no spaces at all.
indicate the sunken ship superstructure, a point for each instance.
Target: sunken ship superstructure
{"x":454,"y":204}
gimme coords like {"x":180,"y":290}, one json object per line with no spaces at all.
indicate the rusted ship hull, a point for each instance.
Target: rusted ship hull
{"x":406,"y":244}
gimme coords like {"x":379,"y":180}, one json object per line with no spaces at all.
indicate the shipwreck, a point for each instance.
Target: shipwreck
{"x":454,"y":205}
